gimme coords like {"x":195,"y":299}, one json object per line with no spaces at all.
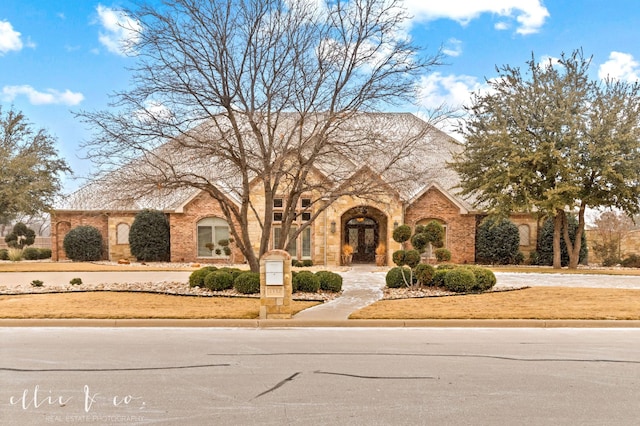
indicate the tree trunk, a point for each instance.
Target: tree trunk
{"x":557,"y":235}
{"x":573,"y":248}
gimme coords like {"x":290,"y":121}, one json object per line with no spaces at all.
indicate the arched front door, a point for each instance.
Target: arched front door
{"x":362,"y":234}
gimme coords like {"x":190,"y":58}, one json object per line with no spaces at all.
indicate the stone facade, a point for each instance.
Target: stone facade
{"x":63,"y":221}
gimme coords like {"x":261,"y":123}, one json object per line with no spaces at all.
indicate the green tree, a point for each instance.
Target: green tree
{"x":20,"y":236}
{"x":149,"y":236}
{"x":553,"y":141}
{"x":30,"y":169}
{"x":545,"y":248}
{"x":271,"y":88}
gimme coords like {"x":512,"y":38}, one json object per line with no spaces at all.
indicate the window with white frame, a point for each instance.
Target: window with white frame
{"x":210,"y":231}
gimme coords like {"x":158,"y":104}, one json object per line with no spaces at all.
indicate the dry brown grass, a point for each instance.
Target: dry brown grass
{"x":532,"y":303}
{"x":118,"y":305}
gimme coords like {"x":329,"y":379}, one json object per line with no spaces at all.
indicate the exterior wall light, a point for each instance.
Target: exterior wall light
{"x":333,"y":227}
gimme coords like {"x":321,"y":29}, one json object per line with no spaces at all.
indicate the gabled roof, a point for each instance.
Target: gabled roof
{"x":378,"y":136}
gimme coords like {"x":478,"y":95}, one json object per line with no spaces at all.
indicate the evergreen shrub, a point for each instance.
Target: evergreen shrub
{"x":631,"y":261}
{"x":497,"y":242}
{"x":31,"y":253}
{"x":460,"y":280}
{"x":149,"y":236}
{"x":4,"y":254}
{"x":424,"y":274}
{"x":196,"y":279}
{"x":247,"y":282}
{"x":442,"y":254}
{"x":329,"y":281}
{"x":218,"y":280}
{"x":395,"y":279}
{"x":83,"y":243}
{"x":307,"y":281}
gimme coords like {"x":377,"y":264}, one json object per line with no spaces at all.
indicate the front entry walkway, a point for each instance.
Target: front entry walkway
{"x":362,"y":286}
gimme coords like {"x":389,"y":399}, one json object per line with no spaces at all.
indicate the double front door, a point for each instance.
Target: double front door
{"x":362,"y":234}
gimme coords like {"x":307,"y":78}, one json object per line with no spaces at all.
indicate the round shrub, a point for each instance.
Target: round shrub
{"x":83,"y":243}
{"x":412,"y":258}
{"x":31,"y":253}
{"x":4,"y":254}
{"x":149,"y":236}
{"x":419,"y":240}
{"x":438,"y":277}
{"x":218,"y":280}
{"x":442,"y":255}
{"x":398,"y":277}
{"x":235,"y":272}
{"x":398,"y":257}
{"x":434,"y":233}
{"x":307,"y":281}
{"x":196,"y":279}
{"x":402,"y":233}
{"x":307,"y":263}
{"x":460,"y":280}
{"x":247,"y":283}
{"x":44,"y":253}
{"x":485,"y":278}
{"x":424,"y":274}
{"x":329,"y":281}
{"x":631,"y":261}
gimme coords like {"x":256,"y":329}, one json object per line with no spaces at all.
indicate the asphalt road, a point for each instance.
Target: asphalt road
{"x":319,"y":376}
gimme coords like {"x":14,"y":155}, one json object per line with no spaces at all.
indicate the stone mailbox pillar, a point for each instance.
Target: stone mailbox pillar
{"x":275,"y":285}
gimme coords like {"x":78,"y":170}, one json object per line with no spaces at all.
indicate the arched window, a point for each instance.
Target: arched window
{"x":122,"y":233}
{"x":525,"y":235}
{"x":210,"y":231}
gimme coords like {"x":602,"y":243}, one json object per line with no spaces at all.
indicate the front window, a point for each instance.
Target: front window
{"x":210,"y":231}
{"x":299,"y":247}
{"x":122,"y":233}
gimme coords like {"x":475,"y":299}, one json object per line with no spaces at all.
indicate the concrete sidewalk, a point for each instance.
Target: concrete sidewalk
{"x":361,"y":286}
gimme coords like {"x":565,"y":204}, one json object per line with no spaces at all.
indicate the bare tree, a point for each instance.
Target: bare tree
{"x":228,"y":94}
{"x":611,"y":227}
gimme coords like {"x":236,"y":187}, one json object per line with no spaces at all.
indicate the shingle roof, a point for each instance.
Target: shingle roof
{"x":382,"y":136}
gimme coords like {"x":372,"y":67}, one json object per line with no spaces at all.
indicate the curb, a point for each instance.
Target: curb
{"x":265,"y":324}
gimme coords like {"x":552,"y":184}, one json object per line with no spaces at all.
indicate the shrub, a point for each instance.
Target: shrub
{"x":4,"y":254}
{"x":442,"y":255}
{"x":497,"y":241}
{"x":307,"y":282}
{"x":247,"y":283}
{"x":611,"y":261}
{"x":460,"y":280}
{"x":196,"y":279}
{"x":329,"y":281}
{"x":545,"y":243}
{"x":398,"y":257}
{"x":402,"y":233}
{"x":218,"y":280}
{"x":307,"y":263}
{"x":37,"y":283}
{"x":412,"y":258}
{"x":149,"y":236}
{"x":15,"y":254}
{"x":434,"y":233}
{"x":485,"y":278}
{"x":83,"y":243}
{"x":75,"y":281}
{"x":438,"y":277}
{"x":296,"y":263}
{"x":631,"y":261}
{"x":424,"y":274}
{"x":31,"y":253}
{"x":398,"y":277}
{"x":294,"y":284}
{"x":20,"y":236}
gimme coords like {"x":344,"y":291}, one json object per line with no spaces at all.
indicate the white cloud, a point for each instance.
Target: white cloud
{"x":50,"y":96}
{"x":620,"y":66}
{"x":120,"y":32}
{"x":453,"y":47}
{"x":9,"y":38}
{"x":529,"y":14}
{"x":454,"y":90}
{"x":152,"y":111}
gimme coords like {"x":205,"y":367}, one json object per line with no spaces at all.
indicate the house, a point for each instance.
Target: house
{"x":406,"y":197}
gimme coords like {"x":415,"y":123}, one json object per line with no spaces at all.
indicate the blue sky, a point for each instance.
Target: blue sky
{"x":57,"y":57}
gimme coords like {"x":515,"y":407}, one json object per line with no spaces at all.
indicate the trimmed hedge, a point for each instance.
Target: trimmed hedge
{"x":196,"y":279}
{"x":247,"y":282}
{"x":4,"y":254}
{"x":307,"y":281}
{"x":329,"y":281}
{"x":32,"y":253}
{"x":218,"y":280}
{"x":83,"y":243}
{"x":497,"y":241}
{"x":460,"y":280}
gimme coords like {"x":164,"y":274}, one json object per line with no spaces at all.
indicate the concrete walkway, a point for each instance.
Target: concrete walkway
{"x":362,"y":285}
